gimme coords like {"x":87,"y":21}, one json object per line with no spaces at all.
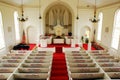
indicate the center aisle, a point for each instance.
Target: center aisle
{"x":59,"y":68}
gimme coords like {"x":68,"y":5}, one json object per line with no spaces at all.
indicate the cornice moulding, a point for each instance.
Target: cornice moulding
{"x":15,"y":5}
{"x":109,"y":5}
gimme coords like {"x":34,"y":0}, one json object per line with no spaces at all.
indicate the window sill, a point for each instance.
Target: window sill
{"x":2,"y":50}
{"x":114,"y":49}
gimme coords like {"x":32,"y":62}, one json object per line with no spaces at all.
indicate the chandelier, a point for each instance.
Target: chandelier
{"x":94,"y":20}
{"x":77,"y":10}
{"x":39,"y":11}
{"x":22,"y":19}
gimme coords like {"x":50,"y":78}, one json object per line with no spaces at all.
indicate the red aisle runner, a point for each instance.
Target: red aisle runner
{"x":85,"y":46}
{"x":32,"y":46}
{"x":59,"y":68}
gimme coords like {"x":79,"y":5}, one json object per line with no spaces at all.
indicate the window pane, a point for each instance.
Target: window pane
{"x":100,"y":26}
{"x":2,"y":41}
{"x":17,"y":30}
{"x":116,"y":30}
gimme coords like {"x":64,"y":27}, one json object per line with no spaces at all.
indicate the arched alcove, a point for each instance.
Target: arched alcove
{"x":86,"y":33}
{"x":58,"y":13}
{"x":30,"y":30}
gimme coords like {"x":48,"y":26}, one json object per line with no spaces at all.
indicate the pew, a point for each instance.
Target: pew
{"x":27,"y":66}
{"x":84,"y":70}
{"x":6,"y":70}
{"x":37,"y":61}
{"x":85,"y":76}
{"x":30,"y":76}
{"x":33,"y":70}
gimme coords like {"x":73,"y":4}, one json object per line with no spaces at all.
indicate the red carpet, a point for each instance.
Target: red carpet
{"x":32,"y":46}
{"x":85,"y":46}
{"x":59,"y":68}
{"x":61,"y":45}
{"x":58,"y":49}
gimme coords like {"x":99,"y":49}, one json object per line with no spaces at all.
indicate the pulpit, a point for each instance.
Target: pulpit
{"x":58,"y":30}
{"x":58,"y":38}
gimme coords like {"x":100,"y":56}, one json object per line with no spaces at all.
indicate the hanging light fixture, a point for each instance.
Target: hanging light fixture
{"x":22,"y":19}
{"x":77,"y":10}
{"x":39,"y":11}
{"x":94,"y":20}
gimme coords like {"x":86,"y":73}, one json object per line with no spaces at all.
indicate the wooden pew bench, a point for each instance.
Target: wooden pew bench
{"x":6,"y":70}
{"x":11,"y":61}
{"x":109,"y":64}
{"x":39,"y":57}
{"x":99,"y":54}
{"x":103,"y":57}
{"x":114,"y":75}
{"x":37,"y":61}
{"x":41,"y":54}
{"x":84,"y":70}
{"x":111,"y":69}
{"x":77,"y":54}
{"x":107,"y":60}
{"x":78,"y":57}
{"x":8,"y":65}
{"x":82,"y":64}
{"x":12,"y":57}
{"x":33,"y":70}
{"x":36,"y":65}
{"x":16,"y":54}
{"x":80,"y":60}
{"x":36,"y":76}
{"x":4,"y":76}
{"x":85,"y":76}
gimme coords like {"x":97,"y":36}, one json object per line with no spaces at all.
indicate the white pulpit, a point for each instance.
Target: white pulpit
{"x":58,"y":30}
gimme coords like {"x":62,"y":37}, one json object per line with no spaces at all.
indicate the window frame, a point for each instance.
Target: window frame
{"x":100,"y":26}
{"x":2,"y":32}
{"x":16,"y":27}
{"x":117,"y":12}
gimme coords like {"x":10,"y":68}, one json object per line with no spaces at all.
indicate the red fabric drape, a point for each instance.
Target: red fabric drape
{"x":23,"y":38}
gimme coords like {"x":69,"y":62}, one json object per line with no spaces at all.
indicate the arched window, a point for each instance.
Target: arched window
{"x":17,"y":29}
{"x":100,"y":26}
{"x":116,"y":30}
{"x":2,"y":40}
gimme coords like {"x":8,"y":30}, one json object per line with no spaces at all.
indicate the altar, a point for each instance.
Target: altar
{"x":58,"y":41}
{"x":58,"y":38}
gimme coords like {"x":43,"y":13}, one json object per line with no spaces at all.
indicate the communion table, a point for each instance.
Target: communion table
{"x":58,"y":41}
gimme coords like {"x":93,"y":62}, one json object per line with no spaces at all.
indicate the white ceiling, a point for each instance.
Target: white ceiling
{"x":82,"y":3}
{"x":99,"y":3}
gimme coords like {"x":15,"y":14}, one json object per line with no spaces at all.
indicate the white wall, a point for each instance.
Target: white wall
{"x":70,"y":4}
{"x":33,"y":14}
{"x":8,"y":23}
{"x":108,"y":21}
{"x":84,"y":16}
{"x":33,"y":23}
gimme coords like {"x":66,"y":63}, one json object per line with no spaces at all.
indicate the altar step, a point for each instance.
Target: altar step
{"x":58,"y":49}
